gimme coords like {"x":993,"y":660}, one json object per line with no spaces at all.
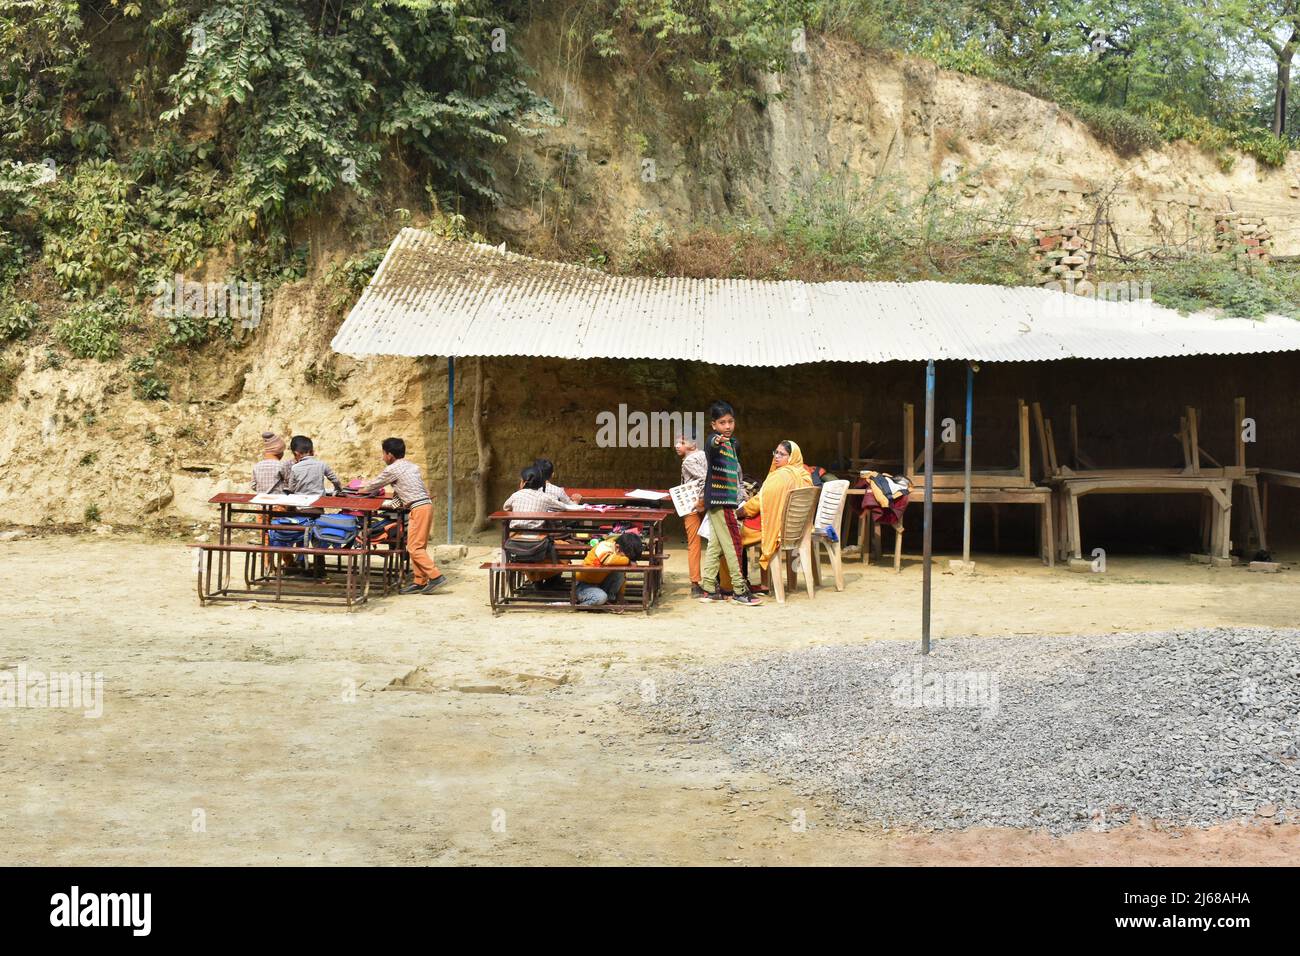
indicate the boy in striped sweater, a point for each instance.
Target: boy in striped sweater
{"x":723,"y":493}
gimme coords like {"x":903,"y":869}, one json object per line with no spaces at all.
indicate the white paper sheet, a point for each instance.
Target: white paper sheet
{"x":642,"y":495}
{"x":684,"y":498}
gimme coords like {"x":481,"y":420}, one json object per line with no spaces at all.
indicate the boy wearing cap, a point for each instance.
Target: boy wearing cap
{"x":271,"y":474}
{"x":271,"y":477}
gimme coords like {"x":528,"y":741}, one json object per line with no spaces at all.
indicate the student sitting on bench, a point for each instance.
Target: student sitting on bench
{"x":309,"y":474}
{"x":271,"y":473}
{"x":598,"y":587}
{"x":533,"y":497}
{"x":547,"y":468}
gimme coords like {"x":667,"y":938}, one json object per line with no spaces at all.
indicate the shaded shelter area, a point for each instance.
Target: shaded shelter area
{"x":565,"y":348}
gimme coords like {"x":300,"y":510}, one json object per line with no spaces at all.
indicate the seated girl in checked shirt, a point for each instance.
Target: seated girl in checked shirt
{"x":531,"y":496}
{"x":547,"y":469}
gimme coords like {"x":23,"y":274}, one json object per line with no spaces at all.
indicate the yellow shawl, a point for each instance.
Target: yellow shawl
{"x":771,"y":498}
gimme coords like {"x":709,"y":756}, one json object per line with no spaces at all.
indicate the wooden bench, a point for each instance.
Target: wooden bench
{"x":354,"y":589}
{"x":569,"y":530}
{"x":508,"y":586}
{"x":1201,"y":474}
{"x":264,"y":578}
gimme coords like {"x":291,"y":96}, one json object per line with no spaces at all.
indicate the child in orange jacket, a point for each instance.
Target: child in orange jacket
{"x":596,"y":587}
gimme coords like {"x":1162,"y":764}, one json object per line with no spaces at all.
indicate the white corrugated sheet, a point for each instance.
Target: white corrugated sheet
{"x":431,"y":296}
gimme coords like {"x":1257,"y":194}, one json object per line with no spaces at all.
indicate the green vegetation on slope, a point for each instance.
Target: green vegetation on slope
{"x":141,"y":139}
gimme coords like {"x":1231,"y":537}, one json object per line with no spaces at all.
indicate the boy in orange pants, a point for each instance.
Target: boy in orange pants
{"x":409,"y":492}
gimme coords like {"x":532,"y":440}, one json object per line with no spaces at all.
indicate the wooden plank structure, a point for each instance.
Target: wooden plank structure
{"x":992,"y":486}
{"x":1018,"y":476}
{"x":1266,"y":479}
{"x":1201,"y":473}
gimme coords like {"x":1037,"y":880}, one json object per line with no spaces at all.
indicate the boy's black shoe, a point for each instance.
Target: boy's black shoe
{"x":747,"y":598}
{"x":412,"y":588}
{"x":712,"y":596}
{"x":433,"y":585}
{"x":697,"y":592}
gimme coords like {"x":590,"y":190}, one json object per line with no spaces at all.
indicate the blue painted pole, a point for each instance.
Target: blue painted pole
{"x":451,"y":436}
{"x":928,"y":510}
{"x":970,"y":405}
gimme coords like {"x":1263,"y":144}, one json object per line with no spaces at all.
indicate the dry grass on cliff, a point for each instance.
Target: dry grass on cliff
{"x":710,"y":253}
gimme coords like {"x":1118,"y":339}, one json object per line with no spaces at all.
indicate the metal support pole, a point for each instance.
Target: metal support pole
{"x":970,"y":404}
{"x":928,"y":508}
{"x":451,"y":436}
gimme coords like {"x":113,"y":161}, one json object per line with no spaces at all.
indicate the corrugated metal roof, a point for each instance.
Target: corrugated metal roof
{"x":431,"y":296}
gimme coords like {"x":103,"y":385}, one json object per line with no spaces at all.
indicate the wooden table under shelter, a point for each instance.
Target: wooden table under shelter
{"x":990,"y":486}
{"x":1200,"y":474}
{"x":617,"y":496}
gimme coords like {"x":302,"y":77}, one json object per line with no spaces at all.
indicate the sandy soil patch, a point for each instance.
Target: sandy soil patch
{"x":421,"y":730}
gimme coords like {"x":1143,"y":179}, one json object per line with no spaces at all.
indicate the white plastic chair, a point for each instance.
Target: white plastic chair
{"x":796,"y":538}
{"x":830,"y":509}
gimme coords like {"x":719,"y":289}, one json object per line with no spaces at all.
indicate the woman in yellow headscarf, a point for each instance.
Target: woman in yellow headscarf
{"x":787,"y":473}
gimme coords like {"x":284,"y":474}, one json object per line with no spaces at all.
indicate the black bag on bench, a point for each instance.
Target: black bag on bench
{"x":530,"y":549}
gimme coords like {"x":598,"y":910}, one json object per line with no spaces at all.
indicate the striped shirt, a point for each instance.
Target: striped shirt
{"x":531,"y":500}
{"x":308,"y":475}
{"x":408,"y":487}
{"x":270,"y":476}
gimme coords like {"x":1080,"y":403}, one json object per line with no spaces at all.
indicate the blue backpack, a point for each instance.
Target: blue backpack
{"x":335,"y":531}
{"x":288,"y":532}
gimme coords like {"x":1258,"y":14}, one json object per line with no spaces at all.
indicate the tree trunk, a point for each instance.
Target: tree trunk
{"x":483,"y":473}
{"x":1282,"y":90}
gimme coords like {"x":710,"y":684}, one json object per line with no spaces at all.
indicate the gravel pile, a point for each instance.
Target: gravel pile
{"x":1064,"y":733}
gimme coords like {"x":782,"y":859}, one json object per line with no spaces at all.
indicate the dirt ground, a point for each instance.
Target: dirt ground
{"x":231,"y":734}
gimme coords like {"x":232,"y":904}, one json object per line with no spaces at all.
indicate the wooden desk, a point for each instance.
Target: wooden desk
{"x":616,"y":496}
{"x":505,"y":584}
{"x":1036,"y":495}
{"x":1217,"y":490}
{"x":1201,"y":473}
{"x":264,"y":578}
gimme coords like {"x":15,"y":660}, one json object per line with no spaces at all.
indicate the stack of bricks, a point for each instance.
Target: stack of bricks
{"x":1245,"y":238}
{"x":1059,"y":253}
